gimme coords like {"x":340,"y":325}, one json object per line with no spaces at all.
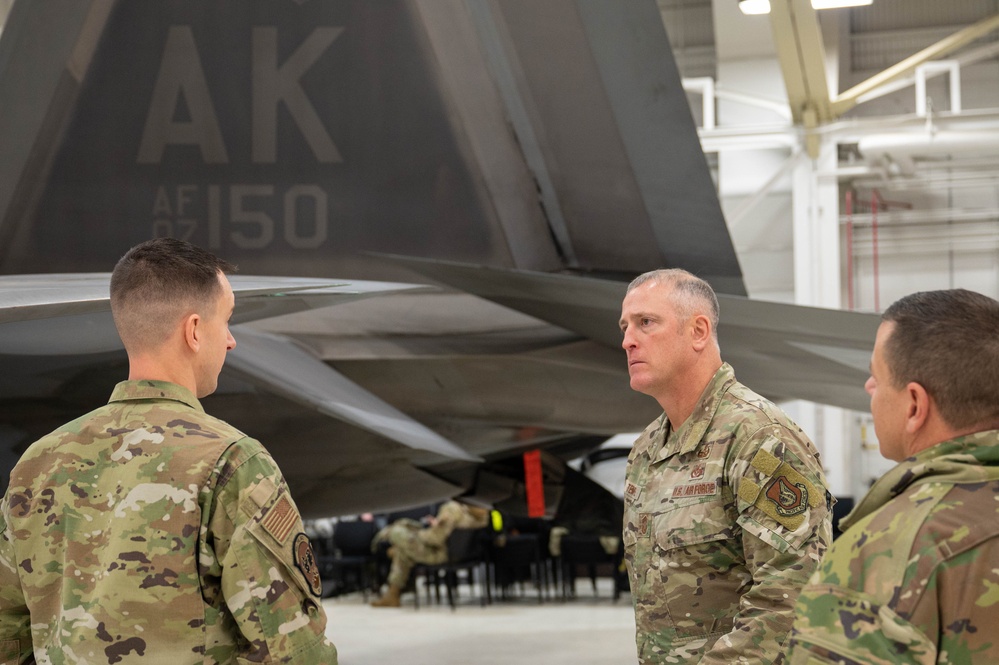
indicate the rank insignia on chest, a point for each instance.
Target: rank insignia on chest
{"x":305,"y":560}
{"x":789,"y":498}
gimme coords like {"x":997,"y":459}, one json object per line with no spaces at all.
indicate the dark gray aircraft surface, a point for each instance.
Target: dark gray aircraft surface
{"x":455,"y":191}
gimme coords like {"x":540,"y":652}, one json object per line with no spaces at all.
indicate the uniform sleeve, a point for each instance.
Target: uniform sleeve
{"x":837,"y":625}
{"x":913,"y":582}
{"x":446,"y":520}
{"x":785,"y":525}
{"x":15,"y":621}
{"x":269,"y":577}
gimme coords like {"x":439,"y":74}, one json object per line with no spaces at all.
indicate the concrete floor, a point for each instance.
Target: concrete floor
{"x":584,"y":630}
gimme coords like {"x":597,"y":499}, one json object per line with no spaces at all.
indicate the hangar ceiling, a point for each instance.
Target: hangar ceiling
{"x":918,"y":157}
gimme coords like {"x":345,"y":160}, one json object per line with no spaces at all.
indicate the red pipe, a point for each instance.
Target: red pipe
{"x":849,"y":248}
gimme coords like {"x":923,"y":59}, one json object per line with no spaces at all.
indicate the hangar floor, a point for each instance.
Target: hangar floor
{"x":580,"y":631}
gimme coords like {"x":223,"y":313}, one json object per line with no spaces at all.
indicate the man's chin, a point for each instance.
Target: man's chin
{"x":640,"y":385}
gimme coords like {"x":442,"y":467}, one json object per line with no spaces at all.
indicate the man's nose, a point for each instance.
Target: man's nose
{"x":627,"y":340}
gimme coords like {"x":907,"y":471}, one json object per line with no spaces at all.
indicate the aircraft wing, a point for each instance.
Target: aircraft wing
{"x":51,"y":325}
{"x":549,"y":144}
{"x":782,"y":351}
{"x":68,"y":314}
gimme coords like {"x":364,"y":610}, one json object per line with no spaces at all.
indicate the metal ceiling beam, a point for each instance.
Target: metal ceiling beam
{"x":798,"y":40}
{"x":850,"y":98}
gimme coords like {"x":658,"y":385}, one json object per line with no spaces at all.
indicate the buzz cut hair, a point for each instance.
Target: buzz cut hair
{"x":689,"y":293}
{"x":948,"y":342}
{"x":157,"y":282}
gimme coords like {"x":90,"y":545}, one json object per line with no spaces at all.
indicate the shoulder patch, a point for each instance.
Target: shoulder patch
{"x":280,"y":519}
{"x":305,"y":561}
{"x":785,"y":494}
{"x":789,"y":498}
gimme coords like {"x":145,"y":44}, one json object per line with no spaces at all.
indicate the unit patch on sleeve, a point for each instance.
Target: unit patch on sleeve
{"x":784,"y":494}
{"x":789,"y":498}
{"x":305,"y":560}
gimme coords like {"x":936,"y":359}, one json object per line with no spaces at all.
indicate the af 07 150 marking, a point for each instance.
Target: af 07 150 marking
{"x":248,"y":227}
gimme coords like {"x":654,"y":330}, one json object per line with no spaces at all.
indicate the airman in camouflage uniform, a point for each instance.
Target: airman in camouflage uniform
{"x":150,"y":532}
{"x":915,"y":577}
{"x":726,"y":510}
{"x":412,"y":543}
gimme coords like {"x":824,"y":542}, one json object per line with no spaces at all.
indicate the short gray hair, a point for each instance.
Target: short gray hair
{"x":690,"y":294}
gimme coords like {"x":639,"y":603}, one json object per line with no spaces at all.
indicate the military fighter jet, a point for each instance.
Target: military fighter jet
{"x":454,"y":192}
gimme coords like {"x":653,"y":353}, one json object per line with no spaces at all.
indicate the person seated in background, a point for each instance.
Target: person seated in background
{"x":411,"y":542}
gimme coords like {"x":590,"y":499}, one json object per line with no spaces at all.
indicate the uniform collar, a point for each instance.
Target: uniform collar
{"x":687,"y":438}
{"x":131,"y":391}
{"x":969,"y":458}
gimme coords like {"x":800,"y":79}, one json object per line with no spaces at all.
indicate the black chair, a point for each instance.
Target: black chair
{"x":353,"y":564}
{"x":466,"y":553}
{"x":517,"y":558}
{"x":585,"y":551}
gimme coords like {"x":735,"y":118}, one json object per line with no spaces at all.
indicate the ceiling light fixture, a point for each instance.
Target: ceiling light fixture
{"x":763,"y":6}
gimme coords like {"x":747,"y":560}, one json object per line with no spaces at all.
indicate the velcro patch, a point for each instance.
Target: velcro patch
{"x":280,"y":519}
{"x":695,"y":489}
{"x":631,"y":489}
{"x":787,"y":496}
{"x":643,"y":524}
{"x":305,"y":561}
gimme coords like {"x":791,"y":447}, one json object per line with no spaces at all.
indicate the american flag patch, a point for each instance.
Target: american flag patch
{"x":280,"y":519}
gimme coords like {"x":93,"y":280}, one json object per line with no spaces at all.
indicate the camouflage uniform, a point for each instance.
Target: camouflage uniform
{"x":725,"y":519}
{"x":915,"y":578}
{"x":412,"y":543}
{"x":150,"y":532}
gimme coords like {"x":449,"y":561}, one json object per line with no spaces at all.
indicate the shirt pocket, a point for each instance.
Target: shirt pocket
{"x":701,"y":566}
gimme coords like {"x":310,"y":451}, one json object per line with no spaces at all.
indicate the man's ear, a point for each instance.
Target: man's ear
{"x":700,"y":327}
{"x":918,"y":405}
{"x":192,"y":331}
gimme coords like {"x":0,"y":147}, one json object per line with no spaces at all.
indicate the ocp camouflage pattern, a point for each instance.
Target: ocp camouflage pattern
{"x":915,"y":577}
{"x":150,"y":532}
{"x":725,"y":520}
{"x":413,"y":543}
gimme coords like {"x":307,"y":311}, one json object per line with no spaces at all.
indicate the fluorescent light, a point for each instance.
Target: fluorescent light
{"x":836,"y":4}
{"x":754,"y":6}
{"x":763,"y":6}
